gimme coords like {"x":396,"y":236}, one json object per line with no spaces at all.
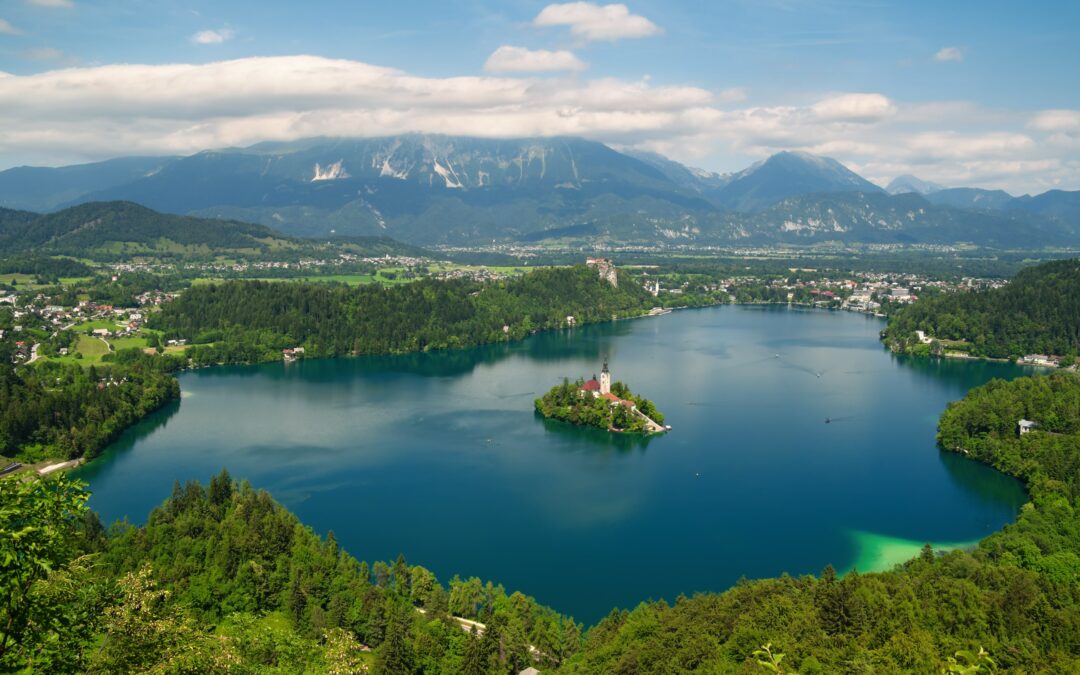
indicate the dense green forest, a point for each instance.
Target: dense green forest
{"x":223,"y":579}
{"x":44,"y":267}
{"x":569,"y":403}
{"x":1037,"y":313}
{"x":61,"y":410}
{"x":251,"y":321}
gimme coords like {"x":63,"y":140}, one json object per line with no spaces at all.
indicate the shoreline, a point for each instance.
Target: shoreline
{"x":886,"y":552}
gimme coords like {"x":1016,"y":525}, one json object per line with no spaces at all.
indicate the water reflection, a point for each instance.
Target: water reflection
{"x":993,"y":488}
{"x":142,"y":429}
{"x":595,"y":439}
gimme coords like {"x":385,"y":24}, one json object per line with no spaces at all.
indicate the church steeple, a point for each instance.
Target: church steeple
{"x":605,"y":380}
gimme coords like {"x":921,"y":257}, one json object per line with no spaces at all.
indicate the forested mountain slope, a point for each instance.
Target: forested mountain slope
{"x":224,"y":579}
{"x":253,"y":321}
{"x":111,"y":229}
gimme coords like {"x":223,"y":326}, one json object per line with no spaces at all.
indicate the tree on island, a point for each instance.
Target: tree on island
{"x":572,"y":402}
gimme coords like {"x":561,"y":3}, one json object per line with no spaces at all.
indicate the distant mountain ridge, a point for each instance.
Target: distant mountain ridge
{"x":431,"y":189}
{"x":909,"y":183}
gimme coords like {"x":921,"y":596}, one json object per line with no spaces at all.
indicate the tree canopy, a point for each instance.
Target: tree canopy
{"x":1038,"y":312}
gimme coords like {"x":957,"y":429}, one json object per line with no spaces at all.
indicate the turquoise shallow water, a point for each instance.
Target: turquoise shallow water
{"x":441,"y":457}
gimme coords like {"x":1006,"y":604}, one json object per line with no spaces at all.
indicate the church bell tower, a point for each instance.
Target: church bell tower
{"x":605,"y":380}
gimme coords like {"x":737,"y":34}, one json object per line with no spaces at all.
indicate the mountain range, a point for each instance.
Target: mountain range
{"x":431,"y":189}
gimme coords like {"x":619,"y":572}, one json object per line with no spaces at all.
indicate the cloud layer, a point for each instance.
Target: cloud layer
{"x":589,"y":21}
{"x":96,"y":112}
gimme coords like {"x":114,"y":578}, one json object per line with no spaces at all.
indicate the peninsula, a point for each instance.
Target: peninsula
{"x":601,"y":404}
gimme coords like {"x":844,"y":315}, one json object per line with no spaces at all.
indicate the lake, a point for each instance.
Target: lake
{"x":441,"y":457}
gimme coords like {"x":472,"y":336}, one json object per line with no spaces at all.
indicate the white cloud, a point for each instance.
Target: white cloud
{"x":956,"y":146}
{"x":8,"y":29}
{"x":949,"y":54}
{"x":860,"y":108}
{"x":1056,"y":120}
{"x":51,"y":3}
{"x":590,"y":21}
{"x":212,"y":37}
{"x":89,"y":113}
{"x":507,"y":59}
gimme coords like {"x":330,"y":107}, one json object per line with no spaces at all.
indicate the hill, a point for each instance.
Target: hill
{"x":1058,"y":205}
{"x":971,"y":198}
{"x":110,"y":229}
{"x":1038,"y":312}
{"x":906,"y":218}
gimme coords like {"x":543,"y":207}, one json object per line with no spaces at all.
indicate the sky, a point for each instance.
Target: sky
{"x":983,"y":94}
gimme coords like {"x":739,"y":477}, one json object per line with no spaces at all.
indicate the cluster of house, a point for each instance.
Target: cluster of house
{"x":49,"y":318}
{"x":290,"y":354}
{"x":23,"y":350}
{"x":1046,"y":360}
{"x":110,"y":382}
{"x":478,"y":274}
{"x":155,"y":298}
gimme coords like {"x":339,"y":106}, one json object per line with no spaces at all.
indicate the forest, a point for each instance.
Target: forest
{"x":252,"y":321}
{"x":569,"y":403}
{"x":1038,"y":312}
{"x":223,"y":579}
{"x":62,"y":410}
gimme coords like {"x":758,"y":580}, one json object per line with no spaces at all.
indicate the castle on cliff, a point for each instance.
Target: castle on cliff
{"x":606,"y":268}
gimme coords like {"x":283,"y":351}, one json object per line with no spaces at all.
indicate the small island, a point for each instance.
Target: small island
{"x":601,"y":404}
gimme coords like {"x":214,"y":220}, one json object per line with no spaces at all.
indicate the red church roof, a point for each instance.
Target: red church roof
{"x":591,"y":385}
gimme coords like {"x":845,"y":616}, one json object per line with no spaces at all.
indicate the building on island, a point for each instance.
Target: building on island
{"x":1026,"y":426}
{"x":601,"y":388}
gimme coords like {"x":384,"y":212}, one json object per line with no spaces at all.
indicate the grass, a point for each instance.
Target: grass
{"x":129,"y":342}
{"x":19,"y":279}
{"x":109,"y":324}
{"x":91,"y":348}
{"x":961,"y":345}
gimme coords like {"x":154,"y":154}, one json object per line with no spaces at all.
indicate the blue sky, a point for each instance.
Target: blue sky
{"x":964,"y":93}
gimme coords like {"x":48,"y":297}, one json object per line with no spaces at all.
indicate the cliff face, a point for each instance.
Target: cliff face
{"x":606,"y":269}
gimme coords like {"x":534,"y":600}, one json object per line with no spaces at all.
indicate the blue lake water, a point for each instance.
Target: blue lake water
{"x":441,"y":457}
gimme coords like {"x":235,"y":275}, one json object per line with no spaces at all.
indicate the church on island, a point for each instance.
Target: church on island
{"x":602,"y":389}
